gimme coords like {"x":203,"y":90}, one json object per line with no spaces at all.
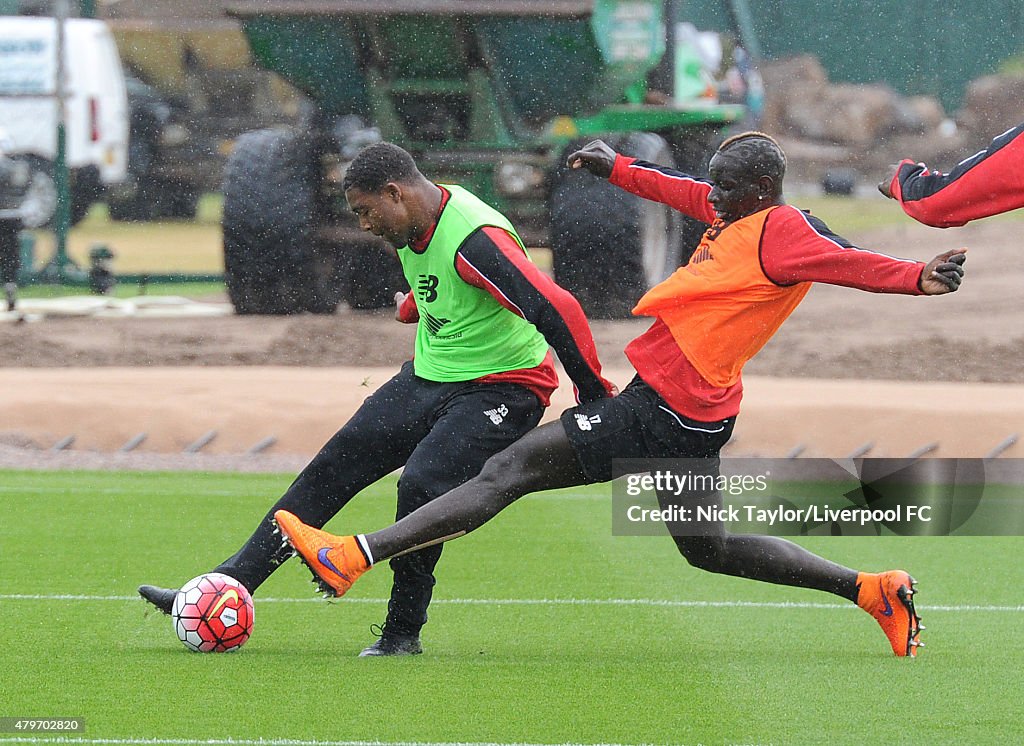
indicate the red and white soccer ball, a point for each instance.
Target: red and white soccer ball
{"x":213,"y":613}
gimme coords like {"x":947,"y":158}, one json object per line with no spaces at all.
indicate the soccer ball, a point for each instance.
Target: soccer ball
{"x":213,"y":613}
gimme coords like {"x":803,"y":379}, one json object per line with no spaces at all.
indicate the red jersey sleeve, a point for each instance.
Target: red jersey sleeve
{"x":988,"y":183}
{"x":797,"y":247}
{"x":408,"y":311}
{"x":687,"y":194}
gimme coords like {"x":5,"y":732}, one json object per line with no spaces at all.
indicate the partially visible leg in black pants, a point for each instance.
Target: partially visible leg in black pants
{"x":378,"y":439}
{"x":479,"y":421}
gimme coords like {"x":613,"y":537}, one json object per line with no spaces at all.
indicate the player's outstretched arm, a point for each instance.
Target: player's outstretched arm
{"x":987,"y":183}
{"x":944,"y":273}
{"x":798,"y":247}
{"x":680,"y":191}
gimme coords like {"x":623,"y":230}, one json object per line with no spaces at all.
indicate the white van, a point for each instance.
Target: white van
{"x":96,"y":103}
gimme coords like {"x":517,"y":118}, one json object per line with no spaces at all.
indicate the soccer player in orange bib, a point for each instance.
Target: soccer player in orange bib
{"x":752,"y":268}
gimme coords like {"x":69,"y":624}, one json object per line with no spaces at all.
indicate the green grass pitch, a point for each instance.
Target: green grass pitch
{"x":546,"y":630}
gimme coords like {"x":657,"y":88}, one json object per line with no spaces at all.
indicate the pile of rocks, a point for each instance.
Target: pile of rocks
{"x":858,"y":130}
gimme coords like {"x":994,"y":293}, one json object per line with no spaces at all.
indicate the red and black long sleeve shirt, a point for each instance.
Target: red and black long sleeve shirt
{"x":988,"y":183}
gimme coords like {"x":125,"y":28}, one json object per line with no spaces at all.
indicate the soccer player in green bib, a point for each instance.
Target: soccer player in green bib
{"x":481,"y":376}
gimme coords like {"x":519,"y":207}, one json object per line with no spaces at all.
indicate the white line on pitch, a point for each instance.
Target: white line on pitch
{"x":571,"y":494}
{"x":546,"y":602}
{"x":264,"y":742}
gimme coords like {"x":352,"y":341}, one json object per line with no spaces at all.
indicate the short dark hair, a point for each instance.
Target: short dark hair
{"x":376,"y":165}
{"x":761,"y":152}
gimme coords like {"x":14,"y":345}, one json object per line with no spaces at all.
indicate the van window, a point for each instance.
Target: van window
{"x":27,"y":67}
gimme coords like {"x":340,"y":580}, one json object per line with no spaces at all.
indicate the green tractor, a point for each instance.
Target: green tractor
{"x":489,"y":94}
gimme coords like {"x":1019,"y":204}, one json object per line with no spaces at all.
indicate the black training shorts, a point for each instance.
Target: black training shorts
{"x":637,"y":424}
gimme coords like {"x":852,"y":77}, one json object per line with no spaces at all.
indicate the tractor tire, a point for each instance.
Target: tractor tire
{"x":609,"y":247}
{"x":373,"y":276}
{"x":272,"y":265}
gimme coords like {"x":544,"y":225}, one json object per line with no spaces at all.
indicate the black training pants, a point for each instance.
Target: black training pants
{"x":441,"y":432}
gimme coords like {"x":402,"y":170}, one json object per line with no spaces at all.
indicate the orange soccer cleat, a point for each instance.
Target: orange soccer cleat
{"x":889,"y":598}
{"x":335,"y":561}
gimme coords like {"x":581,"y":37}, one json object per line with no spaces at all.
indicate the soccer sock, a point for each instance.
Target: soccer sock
{"x":862,"y":578}
{"x":361,"y":538}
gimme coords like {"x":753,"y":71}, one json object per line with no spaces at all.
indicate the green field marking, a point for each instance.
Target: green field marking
{"x":548,"y":630}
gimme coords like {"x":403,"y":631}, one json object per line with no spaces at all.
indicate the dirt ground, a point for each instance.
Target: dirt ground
{"x":847,"y":370}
